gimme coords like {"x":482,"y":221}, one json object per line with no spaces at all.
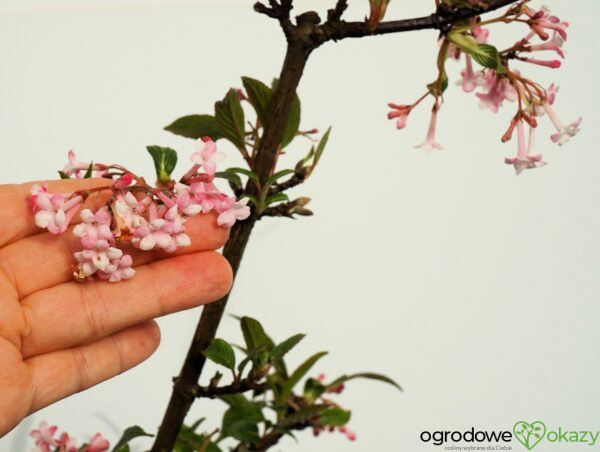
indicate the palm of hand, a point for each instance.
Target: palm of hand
{"x":59,"y":337}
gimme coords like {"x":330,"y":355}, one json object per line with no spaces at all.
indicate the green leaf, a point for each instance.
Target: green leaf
{"x":301,"y":416}
{"x":484,"y":54}
{"x":321,"y":146}
{"x":260,"y":96}
{"x":238,"y":427}
{"x":221,"y":353}
{"x":230,"y":119}
{"x":313,"y":389}
{"x":231,"y":177}
{"x":277,"y":197}
{"x":129,"y":434}
{"x":88,"y":173}
{"x":195,"y":126}
{"x":254,"y":334}
{"x":278,"y":175}
{"x":245,"y":172}
{"x":283,"y":348}
{"x":365,"y":375}
{"x":251,"y":411}
{"x":335,"y":417}
{"x":165,"y":160}
{"x":297,"y":375}
{"x":63,"y":175}
{"x":293,"y":123}
{"x":488,"y":56}
{"x":437,"y":88}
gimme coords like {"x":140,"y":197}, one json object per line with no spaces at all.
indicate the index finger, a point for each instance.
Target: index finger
{"x":15,"y":205}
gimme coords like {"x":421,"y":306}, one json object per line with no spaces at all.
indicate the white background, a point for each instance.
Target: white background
{"x":475,"y":289}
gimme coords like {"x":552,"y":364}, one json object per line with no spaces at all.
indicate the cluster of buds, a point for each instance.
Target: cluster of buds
{"x":499,"y":82}
{"x":45,"y":441}
{"x":331,"y":429}
{"x":318,"y":429}
{"x":149,"y":218}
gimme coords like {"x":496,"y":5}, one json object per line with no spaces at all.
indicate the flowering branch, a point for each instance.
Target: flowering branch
{"x":302,"y":38}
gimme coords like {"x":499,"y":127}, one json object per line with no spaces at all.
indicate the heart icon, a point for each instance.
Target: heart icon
{"x":529,"y":434}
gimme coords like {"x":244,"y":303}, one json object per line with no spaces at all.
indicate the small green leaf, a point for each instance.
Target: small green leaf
{"x":221,"y":353}
{"x":313,"y":389}
{"x":245,"y":172}
{"x":250,"y":411}
{"x":195,"y":126}
{"x":293,"y":123}
{"x":88,"y":173}
{"x":165,"y":160}
{"x":254,"y":334}
{"x":488,"y":57}
{"x":484,"y":54}
{"x":278,"y":175}
{"x":321,"y":147}
{"x":230,"y":119}
{"x":238,"y":427}
{"x":129,"y":434}
{"x":260,"y":96}
{"x":365,"y":375}
{"x":63,"y":175}
{"x":297,"y":376}
{"x":280,"y":350}
{"x":277,"y":197}
{"x":335,"y":417}
{"x":231,"y":177}
{"x":301,"y":416}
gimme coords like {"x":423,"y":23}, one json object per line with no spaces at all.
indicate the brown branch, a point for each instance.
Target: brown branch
{"x":234,"y":388}
{"x":441,"y":20}
{"x":303,"y":38}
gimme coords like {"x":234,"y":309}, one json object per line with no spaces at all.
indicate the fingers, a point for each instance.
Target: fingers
{"x":44,"y":260}
{"x":15,"y":204}
{"x":74,"y":313}
{"x":59,"y":374}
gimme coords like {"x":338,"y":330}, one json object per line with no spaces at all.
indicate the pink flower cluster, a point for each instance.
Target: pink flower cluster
{"x":506,"y":84}
{"x":150,"y":218}
{"x":46,"y":442}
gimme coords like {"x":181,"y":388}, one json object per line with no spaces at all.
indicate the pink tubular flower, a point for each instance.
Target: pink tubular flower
{"x":97,"y":444}
{"x":236,"y":211}
{"x":165,"y":230}
{"x":349,"y":433}
{"x":470,"y":79}
{"x":563,"y":132}
{"x":553,"y":64}
{"x":187,"y":205}
{"x":66,"y":443}
{"x":53,"y":211}
{"x":525,"y":159}
{"x":79,"y":169}
{"x":206,"y":155}
{"x":541,"y":21}
{"x":99,"y":255}
{"x":481,"y":34}
{"x":554,"y":45}
{"x":44,"y":436}
{"x":400,"y":112}
{"x":499,"y":91}
{"x":128,"y":212}
{"x":430,"y":144}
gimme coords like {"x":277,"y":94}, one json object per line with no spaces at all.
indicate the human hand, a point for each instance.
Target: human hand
{"x":59,"y":337}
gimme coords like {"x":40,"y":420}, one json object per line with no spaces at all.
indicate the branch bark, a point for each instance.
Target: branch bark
{"x":303,"y":38}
